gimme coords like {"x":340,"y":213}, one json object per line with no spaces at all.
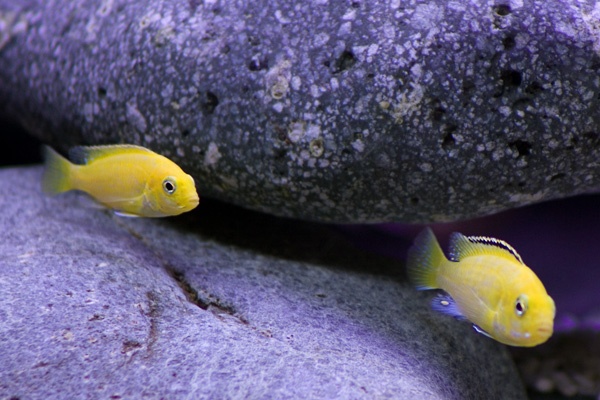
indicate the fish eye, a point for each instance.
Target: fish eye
{"x":520,"y":306}
{"x":169,"y":186}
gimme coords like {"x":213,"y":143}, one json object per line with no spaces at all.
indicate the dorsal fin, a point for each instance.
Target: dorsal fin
{"x":85,"y":154}
{"x":462,"y":246}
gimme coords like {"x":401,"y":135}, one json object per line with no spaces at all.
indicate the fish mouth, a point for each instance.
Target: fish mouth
{"x":545,"y":330}
{"x":189,"y":204}
{"x":192,"y":202}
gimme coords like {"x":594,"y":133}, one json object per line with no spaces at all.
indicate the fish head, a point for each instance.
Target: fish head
{"x":527,"y":318}
{"x":174,"y":194}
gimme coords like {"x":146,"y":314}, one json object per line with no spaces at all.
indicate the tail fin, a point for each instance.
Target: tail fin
{"x":424,"y":260}
{"x":57,"y":174}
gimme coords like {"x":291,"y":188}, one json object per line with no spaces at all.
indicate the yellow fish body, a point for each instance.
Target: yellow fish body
{"x":131,"y":180}
{"x":487,"y":283}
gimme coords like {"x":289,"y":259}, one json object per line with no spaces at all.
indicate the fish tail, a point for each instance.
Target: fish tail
{"x":57,"y":176}
{"x":425,"y":258}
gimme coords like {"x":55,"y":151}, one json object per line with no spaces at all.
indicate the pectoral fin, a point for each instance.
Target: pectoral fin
{"x":134,"y":205}
{"x":445,"y":304}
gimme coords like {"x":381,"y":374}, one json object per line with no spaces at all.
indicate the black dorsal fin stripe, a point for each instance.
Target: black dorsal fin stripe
{"x":495,"y":242}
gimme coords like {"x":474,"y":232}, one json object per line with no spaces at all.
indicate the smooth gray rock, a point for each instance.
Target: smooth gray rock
{"x":324,"y":110}
{"x":220,"y":303}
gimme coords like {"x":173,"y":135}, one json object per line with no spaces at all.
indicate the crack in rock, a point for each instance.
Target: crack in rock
{"x":154,"y":312}
{"x":201,"y":299}
{"x":207,"y":302}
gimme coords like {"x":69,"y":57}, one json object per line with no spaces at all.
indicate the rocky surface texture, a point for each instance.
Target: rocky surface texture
{"x":219,"y":303}
{"x":568,"y":364}
{"x":326,"y":110}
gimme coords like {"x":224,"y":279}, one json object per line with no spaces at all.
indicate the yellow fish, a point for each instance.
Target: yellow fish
{"x":487,"y":283}
{"x":131,"y":180}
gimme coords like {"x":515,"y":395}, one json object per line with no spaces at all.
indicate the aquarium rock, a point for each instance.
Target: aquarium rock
{"x":98,"y":306}
{"x":323,"y":110}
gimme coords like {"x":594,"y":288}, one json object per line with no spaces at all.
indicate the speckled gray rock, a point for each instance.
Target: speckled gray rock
{"x":221,"y":304}
{"x":326,"y":110}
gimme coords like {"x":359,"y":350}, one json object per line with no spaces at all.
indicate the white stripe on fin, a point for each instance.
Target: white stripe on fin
{"x":124,"y":214}
{"x":462,"y":246}
{"x":479,"y":330}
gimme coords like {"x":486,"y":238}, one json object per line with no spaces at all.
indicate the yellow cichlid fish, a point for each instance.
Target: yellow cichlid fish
{"x":131,"y":180}
{"x":487,"y":283}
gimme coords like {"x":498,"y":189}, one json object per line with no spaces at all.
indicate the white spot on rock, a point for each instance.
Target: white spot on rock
{"x":315,"y":91}
{"x":350,"y":15}
{"x":334,"y":83}
{"x":296,"y":82}
{"x":278,"y":106}
{"x":10,"y":26}
{"x":416,"y":71}
{"x":321,"y":39}
{"x":313,"y":131}
{"x":324,"y":163}
{"x":345,"y":28}
{"x":372,"y":50}
{"x":167,"y":92}
{"x":389,"y":31}
{"x":426,"y":167}
{"x":296,"y":131}
{"x":89,"y":110}
{"x":358,"y":145}
{"x":427,"y":16}
{"x":409,"y":102}
{"x":591,"y":22}
{"x":278,"y":78}
{"x":504,"y":110}
{"x":281,"y":18}
{"x":516,"y":4}
{"x":526,"y":198}
{"x":135,"y":117}
{"x":212,"y":155}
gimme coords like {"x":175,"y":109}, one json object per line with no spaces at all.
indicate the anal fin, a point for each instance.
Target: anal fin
{"x":479,"y":330}
{"x":124,"y":214}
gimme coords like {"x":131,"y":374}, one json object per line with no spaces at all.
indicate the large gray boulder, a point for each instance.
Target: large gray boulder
{"x":219,"y":303}
{"x":327,"y":110}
